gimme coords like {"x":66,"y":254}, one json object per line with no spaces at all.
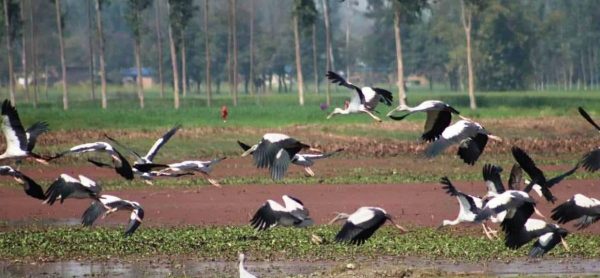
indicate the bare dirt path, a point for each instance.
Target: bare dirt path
{"x":412,"y":204}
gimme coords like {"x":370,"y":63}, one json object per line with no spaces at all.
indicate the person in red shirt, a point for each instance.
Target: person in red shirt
{"x":224,"y":113}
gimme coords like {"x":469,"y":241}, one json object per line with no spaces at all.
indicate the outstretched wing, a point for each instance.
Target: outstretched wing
{"x":591,"y":161}
{"x":138,"y":157}
{"x":556,"y":180}
{"x":336,"y":79}
{"x":587,"y":117}
{"x":33,"y":132}
{"x":161,"y":142}
{"x":492,"y":179}
{"x":92,"y":213}
{"x":12,"y":127}
{"x":386,"y":96}
{"x":471,"y":148}
{"x":135,"y":220}
{"x":516,"y":175}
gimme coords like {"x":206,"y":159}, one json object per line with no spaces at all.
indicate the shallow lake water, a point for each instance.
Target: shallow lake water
{"x":190,"y":268}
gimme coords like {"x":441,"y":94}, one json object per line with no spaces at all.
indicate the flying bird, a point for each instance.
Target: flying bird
{"x":243,"y":272}
{"x":439,"y":117}
{"x":148,"y":158}
{"x":540,"y":183}
{"x":584,"y":209}
{"x":121,"y":165}
{"x":65,"y":187}
{"x":29,"y":185}
{"x":191,"y":166}
{"x":361,"y":224}
{"x":20,"y":142}
{"x":272,"y":214}
{"x":305,"y":160}
{"x":591,"y":160}
{"x":364,"y":100}
{"x":471,"y":136}
{"x":276,"y":151}
{"x":107,"y":204}
{"x":469,"y":207}
{"x":548,"y":236}
{"x":511,"y":207}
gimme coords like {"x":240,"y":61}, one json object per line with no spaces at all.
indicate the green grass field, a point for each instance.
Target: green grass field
{"x":276,"y":110}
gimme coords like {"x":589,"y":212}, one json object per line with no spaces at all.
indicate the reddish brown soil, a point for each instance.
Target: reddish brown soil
{"x":412,"y":204}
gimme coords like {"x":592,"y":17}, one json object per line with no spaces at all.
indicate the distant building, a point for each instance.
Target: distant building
{"x":129,"y":77}
{"x":415,"y":80}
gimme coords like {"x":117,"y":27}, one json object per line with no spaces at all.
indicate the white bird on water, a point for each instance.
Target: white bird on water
{"x":243,"y":272}
{"x":364,"y":100}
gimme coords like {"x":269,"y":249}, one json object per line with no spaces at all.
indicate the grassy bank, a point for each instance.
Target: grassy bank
{"x":223,"y":243}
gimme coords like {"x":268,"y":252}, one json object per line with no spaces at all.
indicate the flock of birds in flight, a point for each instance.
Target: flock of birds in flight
{"x":512,"y":207}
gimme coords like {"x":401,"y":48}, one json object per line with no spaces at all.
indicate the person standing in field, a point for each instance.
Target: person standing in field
{"x":224,"y":113}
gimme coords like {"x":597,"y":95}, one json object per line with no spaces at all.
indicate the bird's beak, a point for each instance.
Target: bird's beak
{"x":336,"y":218}
{"x":311,"y":149}
{"x":564,"y":243}
{"x":464,"y":118}
{"x":392,"y":111}
{"x":404,"y":230}
{"x":494,"y":137}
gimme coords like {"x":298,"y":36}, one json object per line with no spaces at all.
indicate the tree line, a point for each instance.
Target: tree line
{"x":258,"y":46}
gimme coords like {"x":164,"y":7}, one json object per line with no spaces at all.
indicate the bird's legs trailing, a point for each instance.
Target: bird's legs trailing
{"x":210,"y":180}
{"x":309,"y":171}
{"x":538,"y":213}
{"x":371,"y":114}
{"x":489,"y":233}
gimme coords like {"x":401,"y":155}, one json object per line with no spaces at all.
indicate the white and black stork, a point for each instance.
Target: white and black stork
{"x":364,"y":100}
{"x":107,"y":204}
{"x":361,"y":224}
{"x":470,"y":135}
{"x":272,"y":214}
{"x":439,"y":117}
{"x":548,"y":235}
{"x":305,"y":160}
{"x":243,"y":272}
{"x":190,"y":167}
{"x":275,"y":151}
{"x":591,"y":160}
{"x":469,"y":207}
{"x":512,"y":208}
{"x":20,"y":142}
{"x":540,"y":184}
{"x":585,"y":209}
{"x":67,"y":187}
{"x":31,"y":188}
{"x":120,"y":163}
{"x":493,"y":180}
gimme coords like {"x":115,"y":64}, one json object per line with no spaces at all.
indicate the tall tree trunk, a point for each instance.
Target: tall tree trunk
{"x":62,"y":55}
{"x":466,"y":21}
{"x":328,"y":49}
{"x":314,"y":51}
{"x":252,"y":88}
{"x":183,"y":66}
{"x":91,"y":50}
{"x":173,"y":63}
{"x":33,"y":53}
{"x":207,"y":54}
{"x":229,"y":48}
{"x":138,"y":66}
{"x":101,"y":53}
{"x":11,"y":77}
{"x":24,"y":53}
{"x":235,"y":54}
{"x":348,"y":56}
{"x":298,"y":63}
{"x":400,"y":67}
{"x":159,"y":46}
